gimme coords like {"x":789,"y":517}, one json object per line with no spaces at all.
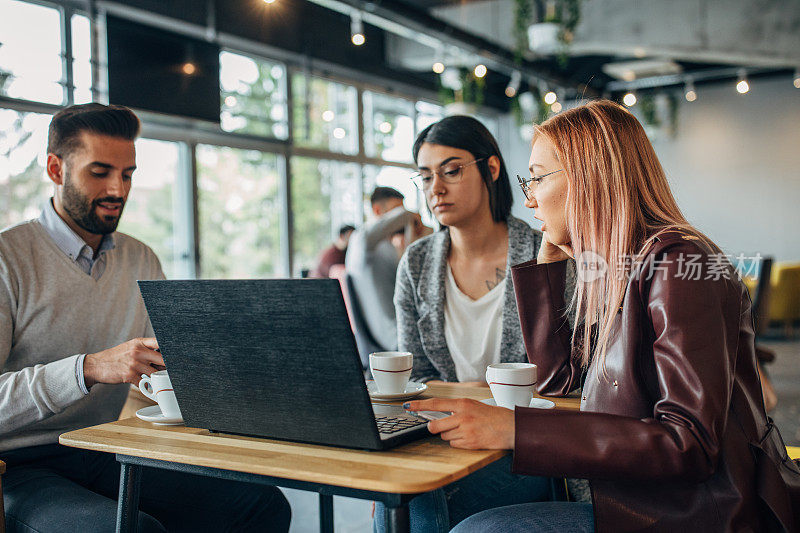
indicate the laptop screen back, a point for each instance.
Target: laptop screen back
{"x":273,"y":358}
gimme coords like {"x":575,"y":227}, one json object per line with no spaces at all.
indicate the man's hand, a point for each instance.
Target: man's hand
{"x":552,"y":253}
{"x":473,"y":425}
{"x":124,"y":363}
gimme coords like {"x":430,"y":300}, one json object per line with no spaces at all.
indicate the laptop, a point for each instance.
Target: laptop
{"x":270,"y":358}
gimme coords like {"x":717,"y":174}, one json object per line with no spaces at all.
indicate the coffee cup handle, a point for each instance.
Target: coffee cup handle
{"x":146,"y":387}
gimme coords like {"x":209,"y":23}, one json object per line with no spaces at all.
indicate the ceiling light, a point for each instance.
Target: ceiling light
{"x":550,"y":98}
{"x":513,"y":84}
{"x":339,"y":133}
{"x":689,"y":92}
{"x":230,"y":101}
{"x":629,"y":99}
{"x":556,"y":107}
{"x":385,"y":127}
{"x":328,"y":115}
{"x":480,"y":71}
{"x":742,"y":86}
{"x":438,"y":67}
{"x":357,"y":29}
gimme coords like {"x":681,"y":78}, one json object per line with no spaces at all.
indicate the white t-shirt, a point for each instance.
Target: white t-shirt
{"x":473,"y":329}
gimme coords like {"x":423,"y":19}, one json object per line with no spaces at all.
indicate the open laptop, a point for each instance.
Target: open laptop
{"x":270,"y":358}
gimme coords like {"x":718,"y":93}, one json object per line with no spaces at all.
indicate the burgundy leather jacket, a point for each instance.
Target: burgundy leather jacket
{"x":674,"y":437}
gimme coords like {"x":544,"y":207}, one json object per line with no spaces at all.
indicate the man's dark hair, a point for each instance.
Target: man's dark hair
{"x":384,"y":193}
{"x":467,"y":133}
{"x":63,"y":137}
{"x":347,"y":228}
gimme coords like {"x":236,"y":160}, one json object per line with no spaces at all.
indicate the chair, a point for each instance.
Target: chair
{"x":2,"y":509}
{"x":365,"y":341}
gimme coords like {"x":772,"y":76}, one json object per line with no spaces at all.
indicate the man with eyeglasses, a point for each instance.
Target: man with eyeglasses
{"x":372,"y":257}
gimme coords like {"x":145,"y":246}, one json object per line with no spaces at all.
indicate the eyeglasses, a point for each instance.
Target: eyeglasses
{"x":529,"y":185}
{"x":449,"y":173}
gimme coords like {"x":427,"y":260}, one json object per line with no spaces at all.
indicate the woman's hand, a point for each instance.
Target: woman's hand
{"x":473,"y":425}
{"x":551,"y":253}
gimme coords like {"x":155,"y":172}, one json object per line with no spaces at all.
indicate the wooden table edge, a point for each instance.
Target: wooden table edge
{"x":65,"y":439}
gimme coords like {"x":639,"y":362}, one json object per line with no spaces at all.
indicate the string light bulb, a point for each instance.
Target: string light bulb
{"x":438,"y":67}
{"x":357,"y":29}
{"x":629,"y":99}
{"x":743,"y":86}
{"x":689,"y":92}
{"x":550,"y":98}
{"x":556,"y":107}
{"x":269,"y":2}
{"x":480,"y":71}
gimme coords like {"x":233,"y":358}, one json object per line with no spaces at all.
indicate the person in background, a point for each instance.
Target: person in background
{"x":334,"y":254}
{"x":74,"y":334}
{"x":372,"y":257}
{"x":456,"y":311}
{"x":672,"y":432}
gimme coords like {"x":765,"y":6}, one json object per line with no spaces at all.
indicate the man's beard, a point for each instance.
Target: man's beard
{"x":84,"y":211}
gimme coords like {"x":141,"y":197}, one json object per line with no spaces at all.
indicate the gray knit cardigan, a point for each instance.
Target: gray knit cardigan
{"x":419,"y":298}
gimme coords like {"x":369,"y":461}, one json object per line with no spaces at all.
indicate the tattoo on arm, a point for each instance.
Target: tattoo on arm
{"x":501,"y":275}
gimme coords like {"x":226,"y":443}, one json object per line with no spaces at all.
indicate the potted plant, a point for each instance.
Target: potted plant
{"x":556,"y":26}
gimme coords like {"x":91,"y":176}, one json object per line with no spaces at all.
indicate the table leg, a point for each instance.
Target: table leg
{"x":397,"y":519}
{"x":128,"y":503}
{"x":325,"y":513}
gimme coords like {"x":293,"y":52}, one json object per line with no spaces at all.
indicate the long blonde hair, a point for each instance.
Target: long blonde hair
{"x":618,"y":200}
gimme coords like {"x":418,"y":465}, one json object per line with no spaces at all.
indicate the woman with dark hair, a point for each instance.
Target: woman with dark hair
{"x":454,"y":298}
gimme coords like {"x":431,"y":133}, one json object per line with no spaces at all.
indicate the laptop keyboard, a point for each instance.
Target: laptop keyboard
{"x":393,"y":424}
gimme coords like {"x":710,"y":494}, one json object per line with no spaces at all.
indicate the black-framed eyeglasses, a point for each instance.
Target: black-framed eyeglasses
{"x":529,"y":185}
{"x":448,"y":173}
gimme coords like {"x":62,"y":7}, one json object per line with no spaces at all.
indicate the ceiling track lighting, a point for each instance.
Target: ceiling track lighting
{"x":513,"y":84}
{"x":357,"y":29}
{"x":742,"y":86}
{"x":689,"y":91}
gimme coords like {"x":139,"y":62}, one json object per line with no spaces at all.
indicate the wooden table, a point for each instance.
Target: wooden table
{"x":392,"y":477}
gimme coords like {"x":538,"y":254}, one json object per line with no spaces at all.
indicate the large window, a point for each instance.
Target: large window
{"x":325,"y":114}
{"x":24,"y":186}
{"x":398,"y":178}
{"x":30,"y":56}
{"x":325,"y":196}
{"x":253,"y":96}
{"x":155,"y":212}
{"x":388,"y":127}
{"x":239,"y":213}
{"x":82,"y":59}
{"x":340,"y":149}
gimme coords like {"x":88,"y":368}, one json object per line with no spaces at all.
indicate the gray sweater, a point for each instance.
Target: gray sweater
{"x":50,"y":313}
{"x":419,"y":299}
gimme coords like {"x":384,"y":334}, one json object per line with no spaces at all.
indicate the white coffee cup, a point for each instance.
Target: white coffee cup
{"x":511,"y":383}
{"x":158,"y":388}
{"x":391,"y":370}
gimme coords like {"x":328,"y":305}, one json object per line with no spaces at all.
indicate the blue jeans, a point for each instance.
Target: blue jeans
{"x":55,"y":488}
{"x":492,"y":486}
{"x":544,"y":517}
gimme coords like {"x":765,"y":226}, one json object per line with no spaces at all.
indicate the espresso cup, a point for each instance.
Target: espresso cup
{"x":391,"y":371}
{"x":158,"y":388}
{"x":511,"y":383}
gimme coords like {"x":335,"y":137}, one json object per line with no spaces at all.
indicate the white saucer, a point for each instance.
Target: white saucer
{"x":539,"y":403}
{"x":413,"y":388}
{"x":153,"y":414}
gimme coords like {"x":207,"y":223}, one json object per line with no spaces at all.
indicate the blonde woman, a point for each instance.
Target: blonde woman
{"x":672,"y":435}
